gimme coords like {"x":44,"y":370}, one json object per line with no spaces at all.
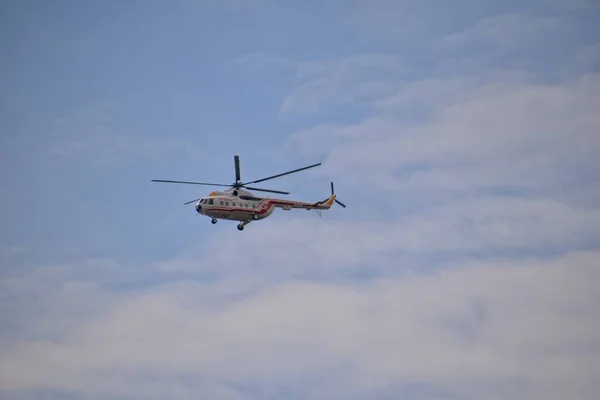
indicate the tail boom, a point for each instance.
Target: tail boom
{"x":319,"y":205}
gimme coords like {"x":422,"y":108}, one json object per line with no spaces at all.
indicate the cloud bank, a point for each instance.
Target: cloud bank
{"x":465,"y":266}
{"x":501,"y":329}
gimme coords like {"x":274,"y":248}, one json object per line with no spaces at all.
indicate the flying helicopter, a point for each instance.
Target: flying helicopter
{"x":237,"y":203}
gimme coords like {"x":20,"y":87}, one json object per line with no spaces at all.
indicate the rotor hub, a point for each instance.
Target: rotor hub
{"x":239,"y":184}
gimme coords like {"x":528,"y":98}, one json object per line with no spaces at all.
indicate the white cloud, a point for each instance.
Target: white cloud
{"x":451,"y":301}
{"x":495,"y":134}
{"x":326,"y":84}
{"x":324,"y":248}
{"x":406,"y":23}
{"x":507,"y":31}
{"x":529,"y":322}
{"x":100,"y":134}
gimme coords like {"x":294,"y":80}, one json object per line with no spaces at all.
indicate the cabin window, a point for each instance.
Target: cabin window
{"x":221,"y":202}
{"x":233,"y":203}
{"x":253,"y":205}
{"x":227,"y":203}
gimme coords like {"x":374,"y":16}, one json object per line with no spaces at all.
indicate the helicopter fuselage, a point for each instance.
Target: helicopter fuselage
{"x":246,"y":207}
{"x":234,"y":208}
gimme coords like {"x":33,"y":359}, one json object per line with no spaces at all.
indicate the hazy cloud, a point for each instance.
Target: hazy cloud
{"x":494,"y":134}
{"x":324,"y":85}
{"x":528,"y":324}
{"x":466,"y":263}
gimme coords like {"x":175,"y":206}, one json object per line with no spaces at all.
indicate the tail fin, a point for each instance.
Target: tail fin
{"x":329,"y":202}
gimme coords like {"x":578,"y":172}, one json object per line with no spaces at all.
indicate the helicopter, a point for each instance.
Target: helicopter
{"x":237,"y":203}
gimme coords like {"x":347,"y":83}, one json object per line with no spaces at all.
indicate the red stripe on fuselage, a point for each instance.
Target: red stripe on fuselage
{"x":230,"y":209}
{"x":259,"y":207}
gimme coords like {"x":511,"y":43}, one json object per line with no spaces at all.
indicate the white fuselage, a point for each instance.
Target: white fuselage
{"x":245,"y":206}
{"x":235,"y":208}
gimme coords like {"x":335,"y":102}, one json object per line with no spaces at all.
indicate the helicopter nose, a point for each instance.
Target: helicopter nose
{"x":198,"y":208}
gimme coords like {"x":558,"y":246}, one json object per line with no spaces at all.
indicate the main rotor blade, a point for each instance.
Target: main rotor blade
{"x":190,"y":183}
{"x":265,"y":190}
{"x":192,"y":201}
{"x":236,"y":160}
{"x":285,"y":173}
{"x":340,"y":203}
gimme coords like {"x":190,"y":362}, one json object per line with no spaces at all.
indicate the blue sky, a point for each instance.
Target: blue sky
{"x":463,"y":138}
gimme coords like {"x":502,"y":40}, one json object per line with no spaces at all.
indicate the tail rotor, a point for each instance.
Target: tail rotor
{"x":336,"y":200}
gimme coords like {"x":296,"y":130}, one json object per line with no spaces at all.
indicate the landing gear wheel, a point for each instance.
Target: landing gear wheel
{"x":240,"y":227}
{"x":255,"y":216}
{"x":214,"y":221}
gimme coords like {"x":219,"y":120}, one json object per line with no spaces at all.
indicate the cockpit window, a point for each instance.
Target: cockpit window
{"x":210,"y":201}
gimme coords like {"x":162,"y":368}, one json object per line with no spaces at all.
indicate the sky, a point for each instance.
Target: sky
{"x":462,"y":137}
